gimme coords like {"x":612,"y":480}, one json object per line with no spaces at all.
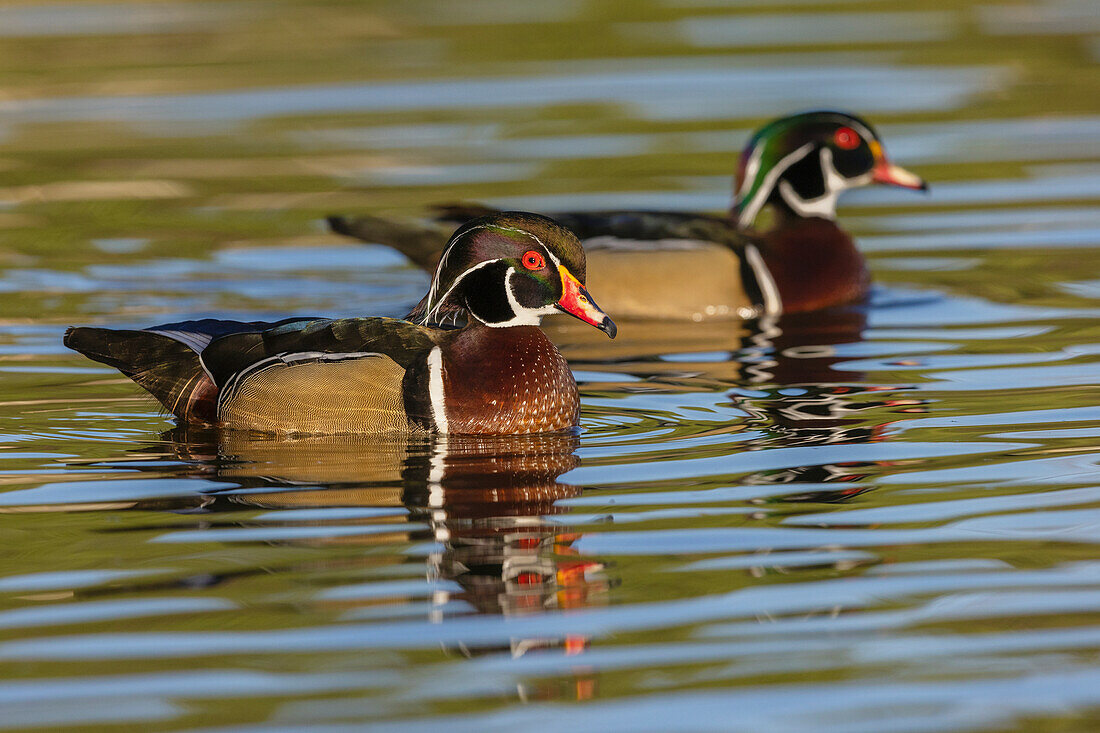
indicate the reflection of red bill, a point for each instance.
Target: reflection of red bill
{"x":575,"y":645}
{"x":576,"y":301}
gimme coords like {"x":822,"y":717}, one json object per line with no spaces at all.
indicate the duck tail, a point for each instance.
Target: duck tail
{"x":422,"y":243}
{"x":168,"y":369}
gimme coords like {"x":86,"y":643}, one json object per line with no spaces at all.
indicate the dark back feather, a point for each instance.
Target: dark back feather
{"x":400,"y":340}
{"x":165,"y":359}
{"x":168,"y":369}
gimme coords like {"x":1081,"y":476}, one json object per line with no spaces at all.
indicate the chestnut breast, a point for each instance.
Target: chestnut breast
{"x":506,"y":380}
{"x":815,"y":265}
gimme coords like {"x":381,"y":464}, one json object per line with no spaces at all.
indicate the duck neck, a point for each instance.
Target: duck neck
{"x":782,"y":215}
{"x":814,"y":263}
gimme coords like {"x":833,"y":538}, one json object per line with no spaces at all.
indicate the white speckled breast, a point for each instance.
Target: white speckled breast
{"x":507,"y":381}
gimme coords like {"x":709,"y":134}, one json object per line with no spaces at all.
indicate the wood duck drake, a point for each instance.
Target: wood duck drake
{"x":686,"y":265}
{"x":471,"y":359}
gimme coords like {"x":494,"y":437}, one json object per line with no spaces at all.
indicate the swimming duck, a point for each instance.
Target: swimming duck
{"x":686,"y":265}
{"x":471,"y":359}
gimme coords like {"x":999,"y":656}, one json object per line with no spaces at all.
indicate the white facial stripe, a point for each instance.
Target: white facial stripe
{"x":752,"y":167}
{"x":553,"y":258}
{"x":510,"y":292}
{"x":749,"y":212}
{"x":835,"y":184}
{"x":866,"y":134}
{"x":428,"y":313}
{"x":823,"y":206}
{"x":429,"y":308}
{"x":550,"y":255}
{"x":442,"y":263}
{"x":435,"y":279}
{"x":773,"y":304}
{"x":520,"y":231}
{"x":523,"y":316}
{"x":435,"y":389}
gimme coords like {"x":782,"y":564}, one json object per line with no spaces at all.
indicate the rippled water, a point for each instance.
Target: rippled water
{"x":879,"y":518}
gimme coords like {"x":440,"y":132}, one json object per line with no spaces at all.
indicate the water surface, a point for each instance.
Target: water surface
{"x":885,"y":517}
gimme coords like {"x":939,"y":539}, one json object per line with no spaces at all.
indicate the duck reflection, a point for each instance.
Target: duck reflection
{"x":488,"y":504}
{"x":799,"y":348}
{"x":804,"y":397}
{"x":787,"y":376}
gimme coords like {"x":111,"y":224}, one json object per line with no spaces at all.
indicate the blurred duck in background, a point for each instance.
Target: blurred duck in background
{"x":688,"y":265}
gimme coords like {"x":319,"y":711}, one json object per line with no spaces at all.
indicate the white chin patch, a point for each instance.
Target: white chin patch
{"x":521,"y":314}
{"x":824,"y":205}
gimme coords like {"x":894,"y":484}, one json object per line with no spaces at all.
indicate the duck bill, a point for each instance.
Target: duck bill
{"x":576,"y":301}
{"x":894,"y":175}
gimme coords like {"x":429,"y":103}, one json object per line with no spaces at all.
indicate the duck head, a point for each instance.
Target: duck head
{"x":803,"y":163}
{"x":510,"y":269}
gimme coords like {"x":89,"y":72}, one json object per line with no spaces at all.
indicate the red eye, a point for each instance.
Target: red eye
{"x":846,"y":138}
{"x":532,"y":260}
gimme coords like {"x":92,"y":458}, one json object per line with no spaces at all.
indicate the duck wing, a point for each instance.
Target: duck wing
{"x":165,"y":359}
{"x":349,"y":375}
{"x":401,"y":341}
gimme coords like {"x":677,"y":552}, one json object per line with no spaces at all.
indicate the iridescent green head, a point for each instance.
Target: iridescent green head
{"x":802,"y":163}
{"x":510,"y":269}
